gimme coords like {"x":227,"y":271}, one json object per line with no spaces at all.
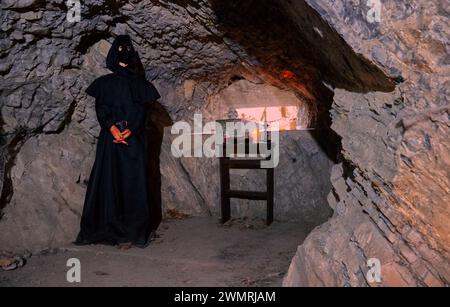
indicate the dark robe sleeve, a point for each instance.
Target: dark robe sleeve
{"x":103,"y":111}
{"x":94,"y":89}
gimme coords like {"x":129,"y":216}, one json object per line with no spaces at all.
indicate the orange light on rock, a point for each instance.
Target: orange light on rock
{"x":287,"y":74}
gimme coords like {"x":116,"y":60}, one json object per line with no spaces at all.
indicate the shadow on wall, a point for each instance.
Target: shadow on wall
{"x":157,"y":120}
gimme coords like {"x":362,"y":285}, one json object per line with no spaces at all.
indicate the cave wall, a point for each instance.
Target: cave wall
{"x":49,"y":128}
{"x":391,"y":191}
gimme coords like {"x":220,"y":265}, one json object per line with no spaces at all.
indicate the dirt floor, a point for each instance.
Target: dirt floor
{"x":193,"y":252}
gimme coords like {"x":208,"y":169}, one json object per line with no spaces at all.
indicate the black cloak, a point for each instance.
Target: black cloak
{"x":116,"y":208}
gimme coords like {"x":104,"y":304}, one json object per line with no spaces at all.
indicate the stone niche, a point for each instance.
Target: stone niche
{"x":301,"y":179}
{"x":300,"y":192}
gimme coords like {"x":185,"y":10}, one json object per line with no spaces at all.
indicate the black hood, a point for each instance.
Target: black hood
{"x":122,"y":50}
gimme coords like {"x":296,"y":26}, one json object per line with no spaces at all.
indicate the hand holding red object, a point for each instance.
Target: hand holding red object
{"x":126,"y":134}
{"x":118,"y":136}
{"x":116,"y":132}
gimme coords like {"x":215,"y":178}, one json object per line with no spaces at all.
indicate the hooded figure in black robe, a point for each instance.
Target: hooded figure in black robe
{"x":116,"y":209}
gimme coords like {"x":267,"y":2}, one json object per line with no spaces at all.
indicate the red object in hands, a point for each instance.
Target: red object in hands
{"x":126,"y":134}
{"x":116,"y":132}
{"x":118,"y":136}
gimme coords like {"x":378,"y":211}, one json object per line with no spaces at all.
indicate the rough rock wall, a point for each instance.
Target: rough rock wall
{"x":391,"y":194}
{"x":391,"y":190}
{"x":48,"y":124}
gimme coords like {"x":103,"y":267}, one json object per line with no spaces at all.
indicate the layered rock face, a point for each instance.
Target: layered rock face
{"x":389,"y":78}
{"x":391,"y":192}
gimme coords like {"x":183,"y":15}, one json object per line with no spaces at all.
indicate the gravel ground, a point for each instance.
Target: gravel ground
{"x":193,"y":252}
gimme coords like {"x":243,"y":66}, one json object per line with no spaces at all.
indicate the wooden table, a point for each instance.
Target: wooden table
{"x":227,"y":163}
